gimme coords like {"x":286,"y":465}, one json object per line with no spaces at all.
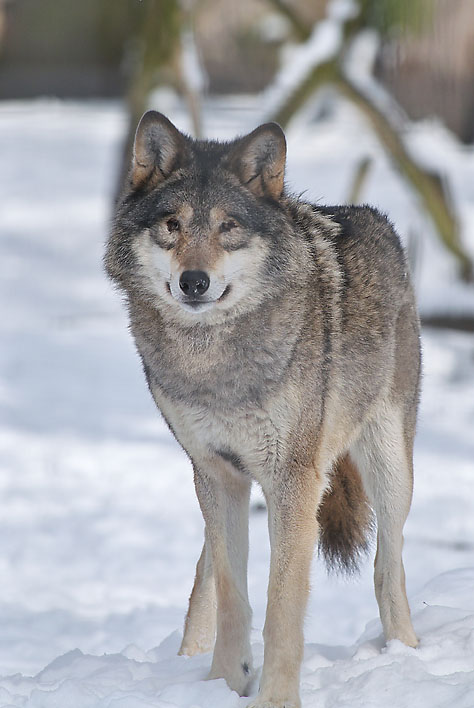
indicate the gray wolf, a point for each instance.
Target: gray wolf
{"x":280,"y":341}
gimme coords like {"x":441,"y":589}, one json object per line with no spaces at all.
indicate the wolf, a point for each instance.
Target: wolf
{"x":280,"y":341}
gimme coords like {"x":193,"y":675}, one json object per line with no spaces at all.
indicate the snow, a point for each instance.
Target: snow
{"x":439,"y":672}
{"x":100,"y":529}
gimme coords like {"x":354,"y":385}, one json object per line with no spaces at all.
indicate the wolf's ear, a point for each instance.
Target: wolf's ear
{"x":259,"y":158}
{"x":158,"y":150}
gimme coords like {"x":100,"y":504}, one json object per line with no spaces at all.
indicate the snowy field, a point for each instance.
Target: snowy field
{"x":99,"y":526}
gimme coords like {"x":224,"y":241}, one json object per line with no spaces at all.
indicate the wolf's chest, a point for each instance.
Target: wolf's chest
{"x":224,"y":394}
{"x":246,"y":437}
{"x":221,"y":378}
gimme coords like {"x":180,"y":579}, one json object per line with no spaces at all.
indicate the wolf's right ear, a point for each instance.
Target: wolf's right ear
{"x":158,"y":150}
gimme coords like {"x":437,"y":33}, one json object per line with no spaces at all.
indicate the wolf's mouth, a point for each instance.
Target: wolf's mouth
{"x":224,"y":294}
{"x":197,"y":304}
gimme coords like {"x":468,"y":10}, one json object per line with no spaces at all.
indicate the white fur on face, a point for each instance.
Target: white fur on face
{"x":233,"y":278}
{"x":155,"y":264}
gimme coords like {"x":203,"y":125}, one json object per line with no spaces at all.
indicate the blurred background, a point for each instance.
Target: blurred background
{"x":395,"y":60}
{"x":99,"y":528}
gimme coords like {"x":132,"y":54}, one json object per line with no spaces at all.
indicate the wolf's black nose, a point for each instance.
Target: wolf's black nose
{"x":194,"y":282}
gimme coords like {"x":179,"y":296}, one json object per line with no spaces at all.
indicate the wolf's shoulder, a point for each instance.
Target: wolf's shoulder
{"x":344,"y":223}
{"x":356,"y":247}
{"x":362,"y":226}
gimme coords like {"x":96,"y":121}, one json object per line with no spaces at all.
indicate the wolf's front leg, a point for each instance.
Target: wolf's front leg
{"x":200,"y":624}
{"x":224,"y":500}
{"x":292,"y":505}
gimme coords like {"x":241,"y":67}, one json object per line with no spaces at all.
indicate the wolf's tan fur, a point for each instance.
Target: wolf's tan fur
{"x":297,"y":368}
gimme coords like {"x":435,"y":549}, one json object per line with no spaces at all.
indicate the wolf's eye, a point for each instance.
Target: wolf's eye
{"x":227,"y":226}
{"x":172,"y":225}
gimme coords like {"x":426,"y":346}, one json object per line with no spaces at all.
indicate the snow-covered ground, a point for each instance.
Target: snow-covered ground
{"x":99,"y":526}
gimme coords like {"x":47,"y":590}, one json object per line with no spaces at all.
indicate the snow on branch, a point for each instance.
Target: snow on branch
{"x":298,"y":61}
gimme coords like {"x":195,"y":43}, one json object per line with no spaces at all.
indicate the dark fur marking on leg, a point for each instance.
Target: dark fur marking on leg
{"x":233,"y":459}
{"x":245,"y":668}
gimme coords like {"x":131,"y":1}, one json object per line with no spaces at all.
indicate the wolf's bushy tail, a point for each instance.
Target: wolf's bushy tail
{"x":345,"y":519}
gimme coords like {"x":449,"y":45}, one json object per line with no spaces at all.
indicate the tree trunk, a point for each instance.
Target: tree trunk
{"x":157,"y":43}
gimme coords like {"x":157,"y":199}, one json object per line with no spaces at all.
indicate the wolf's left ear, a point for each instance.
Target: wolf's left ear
{"x":158,"y":150}
{"x":259,"y":158}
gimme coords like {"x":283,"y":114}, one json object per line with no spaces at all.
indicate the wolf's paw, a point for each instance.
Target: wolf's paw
{"x":238,"y":680}
{"x":257,"y":703}
{"x":406,"y":635}
{"x":410,"y":639}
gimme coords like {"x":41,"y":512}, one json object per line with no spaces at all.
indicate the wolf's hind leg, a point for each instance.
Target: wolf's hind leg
{"x":224,"y":500}
{"x":383,"y":454}
{"x":200,"y":623}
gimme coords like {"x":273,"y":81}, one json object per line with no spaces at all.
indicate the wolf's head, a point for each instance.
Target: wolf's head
{"x":200,"y":233}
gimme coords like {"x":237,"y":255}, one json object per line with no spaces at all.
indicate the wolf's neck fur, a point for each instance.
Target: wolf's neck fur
{"x":228,"y":363}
